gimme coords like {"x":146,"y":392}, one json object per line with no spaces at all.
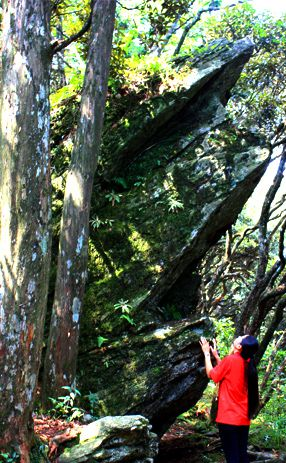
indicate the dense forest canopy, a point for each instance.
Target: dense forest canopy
{"x":137,"y":224}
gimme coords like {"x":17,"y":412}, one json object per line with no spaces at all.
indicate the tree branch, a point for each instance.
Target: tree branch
{"x":262,"y":279}
{"x":59,"y":45}
{"x":274,"y":384}
{"x":278,"y":143}
{"x":277,"y":319}
{"x":172,"y":29}
{"x":281,"y":245}
{"x":194,"y":22}
{"x":264,"y":217}
{"x":190,"y":26}
{"x":130,"y":9}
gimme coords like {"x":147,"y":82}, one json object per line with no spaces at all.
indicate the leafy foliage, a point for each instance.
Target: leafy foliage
{"x":11,"y":457}
{"x":224,"y":328}
{"x":93,"y":403}
{"x":65,"y":406}
{"x":259,"y":97}
{"x":143,"y":66}
{"x":126,"y":310}
{"x":101,"y":340}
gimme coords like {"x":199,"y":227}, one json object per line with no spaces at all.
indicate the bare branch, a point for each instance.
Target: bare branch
{"x":263,"y":278}
{"x":242,"y":235}
{"x":222,"y":273}
{"x":276,"y":207}
{"x":274,"y":384}
{"x":281,"y":244}
{"x":172,"y":30}
{"x":274,"y":293}
{"x":130,"y":9}
{"x":195,"y":20}
{"x":278,"y":143}
{"x":66,"y":13}
{"x":264,"y":217}
{"x":190,"y":26}
{"x":228,"y":244}
{"x":61,"y":44}
{"x":277,"y":319}
{"x":279,"y":132}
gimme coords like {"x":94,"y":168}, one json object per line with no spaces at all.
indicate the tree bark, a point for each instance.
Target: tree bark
{"x":24,"y":213}
{"x":58,"y":71}
{"x":61,"y":355}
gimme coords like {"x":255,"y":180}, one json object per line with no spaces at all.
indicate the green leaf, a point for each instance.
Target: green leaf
{"x":68,"y":388}
{"x":101,"y":340}
{"x":129,"y":319}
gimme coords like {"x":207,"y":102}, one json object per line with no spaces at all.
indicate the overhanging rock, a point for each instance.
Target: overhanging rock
{"x":185,"y":175}
{"x":181,"y":174}
{"x":216,"y":70}
{"x":158,"y":375}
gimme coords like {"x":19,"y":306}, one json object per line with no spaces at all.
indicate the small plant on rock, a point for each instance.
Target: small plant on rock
{"x":126,"y":310}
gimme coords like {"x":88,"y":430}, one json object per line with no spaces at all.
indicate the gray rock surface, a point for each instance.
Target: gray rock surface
{"x":114,"y":439}
{"x":186,"y":172}
{"x":159,"y":374}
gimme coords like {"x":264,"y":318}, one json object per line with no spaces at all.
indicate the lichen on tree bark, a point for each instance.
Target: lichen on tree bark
{"x":61,"y":356}
{"x":24,"y":213}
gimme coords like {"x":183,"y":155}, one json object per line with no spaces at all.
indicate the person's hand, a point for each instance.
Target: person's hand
{"x":214,"y":351}
{"x":205,"y":345}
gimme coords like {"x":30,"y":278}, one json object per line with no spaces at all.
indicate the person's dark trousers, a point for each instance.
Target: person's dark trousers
{"x":234,"y":442}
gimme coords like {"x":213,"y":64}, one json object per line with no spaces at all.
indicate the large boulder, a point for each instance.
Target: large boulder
{"x":114,"y":439}
{"x":175,"y":176}
{"x":158,"y":375}
{"x":170,"y":117}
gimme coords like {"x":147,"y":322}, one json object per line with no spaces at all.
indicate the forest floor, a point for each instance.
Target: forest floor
{"x":199,"y":442}
{"x":183,"y":443}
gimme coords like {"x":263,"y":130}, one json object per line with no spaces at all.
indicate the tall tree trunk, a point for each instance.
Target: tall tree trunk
{"x":24,"y":213}
{"x":61,"y":355}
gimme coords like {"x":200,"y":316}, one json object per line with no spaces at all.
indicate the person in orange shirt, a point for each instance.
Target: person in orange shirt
{"x":238,"y":396}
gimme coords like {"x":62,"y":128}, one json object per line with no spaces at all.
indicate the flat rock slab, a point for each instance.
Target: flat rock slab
{"x":114,"y":439}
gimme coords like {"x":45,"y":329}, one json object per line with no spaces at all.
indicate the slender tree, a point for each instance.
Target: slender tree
{"x":61,"y":355}
{"x":24,"y":213}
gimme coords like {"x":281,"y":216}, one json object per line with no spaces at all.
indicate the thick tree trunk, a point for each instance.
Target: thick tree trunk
{"x":60,"y":362}
{"x":24,"y":213}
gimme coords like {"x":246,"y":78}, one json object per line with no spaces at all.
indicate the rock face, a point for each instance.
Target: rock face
{"x":114,"y":440}
{"x":174,"y":177}
{"x":181,"y":174}
{"x":160,"y":373}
